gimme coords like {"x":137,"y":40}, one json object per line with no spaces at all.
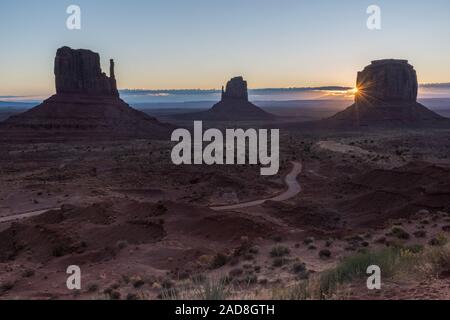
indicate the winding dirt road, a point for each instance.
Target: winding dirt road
{"x":24,"y":215}
{"x":292,"y":184}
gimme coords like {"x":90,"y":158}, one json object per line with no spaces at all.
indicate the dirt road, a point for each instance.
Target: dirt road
{"x":293,"y":188}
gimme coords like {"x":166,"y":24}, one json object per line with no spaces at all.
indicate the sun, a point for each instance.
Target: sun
{"x":354,"y":90}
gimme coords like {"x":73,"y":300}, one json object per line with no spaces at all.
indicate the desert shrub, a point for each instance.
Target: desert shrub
{"x":170,"y":294}
{"x":138,"y":282}
{"x":439,"y":259}
{"x":208,"y":290}
{"x":226,"y":279}
{"x":28,"y":273}
{"x":279,"y":262}
{"x":417,"y":248}
{"x":132,"y":296}
{"x":439,"y":241}
{"x":413,"y":261}
{"x":250,"y":279}
{"x":325,"y":254}
{"x":115,"y":295}
{"x":212,"y":290}
{"x":93,"y":287}
{"x":219,"y":261}
{"x":115,"y":286}
{"x":420,"y":234}
{"x":198,"y":278}
{"x":299,"y":267}
{"x":167,"y":283}
{"x":400,"y":233}
{"x":300,"y":291}
{"x":6,"y":286}
{"x":279,"y":251}
{"x":254,"y":250}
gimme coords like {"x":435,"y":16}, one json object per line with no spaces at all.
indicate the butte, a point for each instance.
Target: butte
{"x":234,"y":106}
{"x":386,"y":96}
{"x":86,"y":106}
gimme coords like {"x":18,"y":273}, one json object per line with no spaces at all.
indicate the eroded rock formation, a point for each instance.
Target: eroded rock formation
{"x":236,"y":89}
{"x":79,"y":72}
{"x":387,"y":96}
{"x":234,"y":106}
{"x":86,"y":105}
{"x":387,"y":81}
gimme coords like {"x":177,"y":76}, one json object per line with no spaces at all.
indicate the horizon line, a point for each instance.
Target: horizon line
{"x":268,"y":90}
{"x":306,"y":88}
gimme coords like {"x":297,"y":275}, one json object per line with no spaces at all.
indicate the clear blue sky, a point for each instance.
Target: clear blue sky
{"x":201,"y":43}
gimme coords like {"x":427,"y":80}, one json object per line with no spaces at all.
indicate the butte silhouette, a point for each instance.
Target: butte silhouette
{"x":86,"y":105}
{"x":234,"y":106}
{"x":386,"y":96}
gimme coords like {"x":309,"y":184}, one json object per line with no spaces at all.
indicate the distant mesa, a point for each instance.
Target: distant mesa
{"x":386,"y":96}
{"x":234,"y":106}
{"x":86,"y":104}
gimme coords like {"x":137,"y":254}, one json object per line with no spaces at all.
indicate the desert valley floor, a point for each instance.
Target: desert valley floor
{"x":142,"y":228}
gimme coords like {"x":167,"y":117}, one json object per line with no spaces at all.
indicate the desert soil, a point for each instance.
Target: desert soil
{"x":137,"y":225}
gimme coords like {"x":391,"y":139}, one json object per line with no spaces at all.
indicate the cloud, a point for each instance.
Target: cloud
{"x":30,"y":99}
{"x":436,"y":85}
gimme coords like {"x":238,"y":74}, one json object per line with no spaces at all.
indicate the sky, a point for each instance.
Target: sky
{"x":187,"y":44}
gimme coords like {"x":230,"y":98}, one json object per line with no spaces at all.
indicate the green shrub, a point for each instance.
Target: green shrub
{"x":355,"y":266}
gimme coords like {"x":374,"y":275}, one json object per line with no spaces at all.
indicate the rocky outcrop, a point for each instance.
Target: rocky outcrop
{"x":386,"y":96}
{"x":86,"y":106}
{"x":79,"y":72}
{"x":388,"y":81}
{"x":234,"y":106}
